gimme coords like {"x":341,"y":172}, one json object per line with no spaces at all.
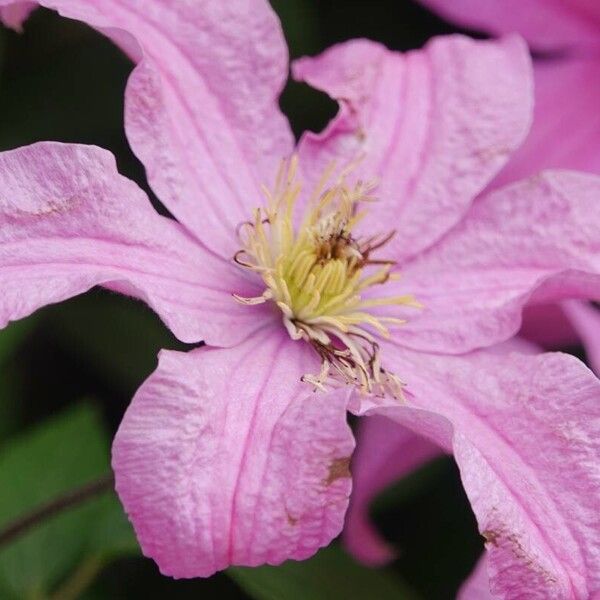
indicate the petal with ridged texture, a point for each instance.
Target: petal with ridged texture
{"x":433,"y":125}
{"x":537,"y":240}
{"x":201,"y":106}
{"x":69,"y":221}
{"x":225,"y":457}
{"x":525,"y":432}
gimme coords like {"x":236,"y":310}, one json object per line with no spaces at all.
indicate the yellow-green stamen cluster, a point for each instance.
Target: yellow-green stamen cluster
{"x":316,"y":275}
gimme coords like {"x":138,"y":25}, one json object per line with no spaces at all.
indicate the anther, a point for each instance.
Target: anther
{"x":316,"y":273}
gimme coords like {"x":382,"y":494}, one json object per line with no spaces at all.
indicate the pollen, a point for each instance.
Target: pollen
{"x":317,"y":272}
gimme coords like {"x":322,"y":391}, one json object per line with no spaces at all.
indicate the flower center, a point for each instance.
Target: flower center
{"x":317,"y":275}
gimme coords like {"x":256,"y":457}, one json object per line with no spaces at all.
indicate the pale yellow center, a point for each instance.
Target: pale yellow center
{"x":317,"y":274}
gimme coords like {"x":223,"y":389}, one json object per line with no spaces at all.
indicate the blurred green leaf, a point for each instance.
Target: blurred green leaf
{"x":13,"y":335}
{"x":39,"y":466}
{"x":10,"y":389}
{"x":112,"y":535}
{"x":427,"y":517}
{"x":10,"y":407}
{"x":330,"y":575}
{"x":300,"y":25}
{"x":62,"y":67}
{"x":118,"y":336}
{"x":410,"y":486}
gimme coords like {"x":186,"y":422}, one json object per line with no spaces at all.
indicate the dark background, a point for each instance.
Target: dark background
{"x":68,"y":372}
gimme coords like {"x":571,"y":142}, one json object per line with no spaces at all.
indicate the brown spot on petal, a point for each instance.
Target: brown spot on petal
{"x":49,"y":207}
{"x":339,"y":468}
{"x":291,"y":520}
{"x":510,"y":541}
{"x":491,"y":537}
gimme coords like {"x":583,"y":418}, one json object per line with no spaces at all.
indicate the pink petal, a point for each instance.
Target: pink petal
{"x":548,"y":326}
{"x":224,"y":457}
{"x":565,"y":133}
{"x":564,"y":325}
{"x":547,"y":25}
{"x":525,"y":432}
{"x":538,"y":240}
{"x":15,"y":14}
{"x":435,"y":126}
{"x":385,"y":453}
{"x":477,"y":586}
{"x":69,"y":221}
{"x":585,"y":318}
{"x":201,"y":107}
{"x":566,"y":126}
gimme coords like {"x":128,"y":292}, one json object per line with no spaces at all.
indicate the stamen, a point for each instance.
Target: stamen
{"x":316,"y":274}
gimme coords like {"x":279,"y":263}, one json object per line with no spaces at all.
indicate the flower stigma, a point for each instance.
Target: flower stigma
{"x":316,"y":274}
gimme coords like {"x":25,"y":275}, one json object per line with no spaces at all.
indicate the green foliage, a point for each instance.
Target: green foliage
{"x":330,"y":575}
{"x":11,"y":339}
{"x":427,"y":518}
{"x":12,"y":336}
{"x":119,"y":337}
{"x":300,"y":25}
{"x":54,"y":79}
{"x":37,"y":467}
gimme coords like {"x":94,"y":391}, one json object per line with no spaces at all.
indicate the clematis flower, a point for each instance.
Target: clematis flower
{"x":566,"y":38}
{"x":282,"y":260}
{"x":565,"y":133}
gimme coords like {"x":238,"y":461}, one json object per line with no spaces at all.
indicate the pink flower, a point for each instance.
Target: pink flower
{"x":566,"y":126}
{"x":226,"y":454}
{"x":567,"y":94}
